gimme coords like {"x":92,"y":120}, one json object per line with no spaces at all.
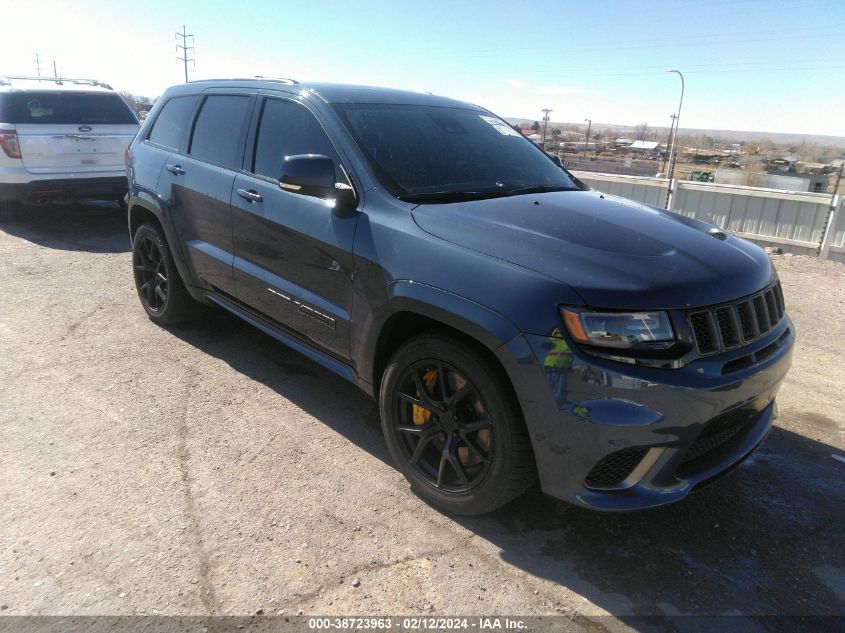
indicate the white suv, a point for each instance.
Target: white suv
{"x":62,"y":140}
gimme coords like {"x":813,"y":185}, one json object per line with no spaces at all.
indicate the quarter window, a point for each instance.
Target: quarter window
{"x":287,"y":129}
{"x":217,"y":132}
{"x":172,"y":122}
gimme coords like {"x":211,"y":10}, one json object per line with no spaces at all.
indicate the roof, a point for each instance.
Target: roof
{"x":332,"y":93}
{"x":644,"y":145}
{"x":52,"y":84}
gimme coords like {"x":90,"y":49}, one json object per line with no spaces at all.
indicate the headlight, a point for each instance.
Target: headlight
{"x":617,"y":329}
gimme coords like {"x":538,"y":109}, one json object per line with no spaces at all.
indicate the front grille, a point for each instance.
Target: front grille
{"x":738,"y":323}
{"x":717,"y":439}
{"x":615,"y":468}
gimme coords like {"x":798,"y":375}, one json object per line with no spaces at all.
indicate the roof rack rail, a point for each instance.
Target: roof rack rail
{"x":57,"y":80}
{"x":286,"y":80}
{"x":282,"y":79}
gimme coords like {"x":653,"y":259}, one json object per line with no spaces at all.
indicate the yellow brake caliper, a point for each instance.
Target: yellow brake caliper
{"x":421,"y":415}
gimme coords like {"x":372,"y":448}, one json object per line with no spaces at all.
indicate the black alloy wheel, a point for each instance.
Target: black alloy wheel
{"x":160,"y":289}
{"x":443,"y":426}
{"x":150,"y":274}
{"x":453,"y":425}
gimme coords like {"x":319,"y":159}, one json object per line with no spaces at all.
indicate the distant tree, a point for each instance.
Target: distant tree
{"x":137,"y":103}
{"x":516,"y":127}
{"x":704,"y":142}
{"x":641,"y":132}
{"x":131,"y":100}
{"x":535,"y":126}
{"x":754,"y":173}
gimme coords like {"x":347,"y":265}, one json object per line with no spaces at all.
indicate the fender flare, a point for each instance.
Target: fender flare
{"x":486,"y":326}
{"x":153,"y":204}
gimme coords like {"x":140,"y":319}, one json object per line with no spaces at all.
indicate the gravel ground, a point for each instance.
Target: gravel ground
{"x":206,"y":469}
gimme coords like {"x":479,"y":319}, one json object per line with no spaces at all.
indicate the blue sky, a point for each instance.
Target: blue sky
{"x":749,"y":65}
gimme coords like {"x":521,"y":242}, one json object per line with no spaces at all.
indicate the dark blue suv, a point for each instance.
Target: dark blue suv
{"x":512,"y":324}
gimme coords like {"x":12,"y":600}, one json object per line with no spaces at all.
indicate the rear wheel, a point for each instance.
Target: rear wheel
{"x":159,"y":286}
{"x":453,"y":426}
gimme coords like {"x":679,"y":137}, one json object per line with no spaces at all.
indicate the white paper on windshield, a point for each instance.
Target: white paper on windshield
{"x":502,"y":127}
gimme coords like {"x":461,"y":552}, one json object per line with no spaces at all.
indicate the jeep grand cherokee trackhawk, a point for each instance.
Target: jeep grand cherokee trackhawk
{"x":513,"y":324}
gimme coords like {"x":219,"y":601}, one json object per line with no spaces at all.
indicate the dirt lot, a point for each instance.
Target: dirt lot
{"x":208,"y":469}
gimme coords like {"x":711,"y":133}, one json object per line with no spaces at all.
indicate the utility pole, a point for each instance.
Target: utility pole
{"x":669,"y":142}
{"x":545,"y":122}
{"x":55,"y":72}
{"x":37,"y":62}
{"x":673,"y":152}
{"x":185,"y":48}
{"x":587,"y":140}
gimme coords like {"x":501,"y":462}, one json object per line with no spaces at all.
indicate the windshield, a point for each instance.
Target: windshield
{"x":429,"y":153}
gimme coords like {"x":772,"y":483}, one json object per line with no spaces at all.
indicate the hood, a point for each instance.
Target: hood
{"x":613,"y":252}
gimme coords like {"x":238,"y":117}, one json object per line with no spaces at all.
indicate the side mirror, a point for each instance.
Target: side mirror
{"x":314,"y":175}
{"x":556,"y":160}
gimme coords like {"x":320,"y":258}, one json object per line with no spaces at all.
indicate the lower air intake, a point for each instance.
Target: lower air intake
{"x":615,"y":468}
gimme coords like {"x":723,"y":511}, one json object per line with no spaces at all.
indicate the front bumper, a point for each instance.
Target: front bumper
{"x":610,"y":436}
{"x":65,"y":189}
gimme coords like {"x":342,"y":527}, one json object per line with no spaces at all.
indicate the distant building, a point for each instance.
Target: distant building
{"x":816,"y":183}
{"x":644,"y":146}
{"x":578,"y":146}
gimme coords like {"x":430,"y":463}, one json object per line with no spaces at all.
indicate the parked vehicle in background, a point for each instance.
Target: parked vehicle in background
{"x":62,"y":140}
{"x":511,"y":323}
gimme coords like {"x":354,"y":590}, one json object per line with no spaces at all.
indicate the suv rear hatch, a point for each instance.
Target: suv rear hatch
{"x":70,"y":132}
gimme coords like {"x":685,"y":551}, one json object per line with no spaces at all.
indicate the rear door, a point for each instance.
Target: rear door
{"x":72,"y":131}
{"x":197,"y":185}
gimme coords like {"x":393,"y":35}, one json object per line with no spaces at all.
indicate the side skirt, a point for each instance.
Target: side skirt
{"x":339,"y":367}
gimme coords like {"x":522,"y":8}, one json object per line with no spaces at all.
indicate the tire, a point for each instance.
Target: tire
{"x":160,"y":288}
{"x":477,"y":455}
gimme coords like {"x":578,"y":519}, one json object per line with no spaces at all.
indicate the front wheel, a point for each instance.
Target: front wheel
{"x":159,"y":286}
{"x":453,"y":426}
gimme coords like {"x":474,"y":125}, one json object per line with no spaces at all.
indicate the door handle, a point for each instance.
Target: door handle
{"x":252,"y":196}
{"x":175,"y":169}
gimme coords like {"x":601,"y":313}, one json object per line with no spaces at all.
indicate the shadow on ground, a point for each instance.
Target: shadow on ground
{"x":95,"y":227}
{"x":768,"y":540}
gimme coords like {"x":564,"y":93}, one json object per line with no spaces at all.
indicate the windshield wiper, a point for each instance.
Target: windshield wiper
{"x":539,"y":189}
{"x":459,"y":195}
{"x":451,"y":196}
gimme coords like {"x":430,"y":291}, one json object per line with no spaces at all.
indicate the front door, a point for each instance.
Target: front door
{"x":293,"y":254}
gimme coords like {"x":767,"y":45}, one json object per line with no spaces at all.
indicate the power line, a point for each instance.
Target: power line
{"x":185,"y":48}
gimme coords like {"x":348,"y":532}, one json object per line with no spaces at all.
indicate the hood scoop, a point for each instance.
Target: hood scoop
{"x":718,"y":234}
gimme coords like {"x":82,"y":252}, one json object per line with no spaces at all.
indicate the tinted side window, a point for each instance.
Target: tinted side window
{"x":66,"y":108}
{"x":171,"y":125}
{"x":287,"y":129}
{"x":217,"y":132}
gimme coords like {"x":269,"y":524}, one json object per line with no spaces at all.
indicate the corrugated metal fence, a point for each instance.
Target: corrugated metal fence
{"x":797,"y":222}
